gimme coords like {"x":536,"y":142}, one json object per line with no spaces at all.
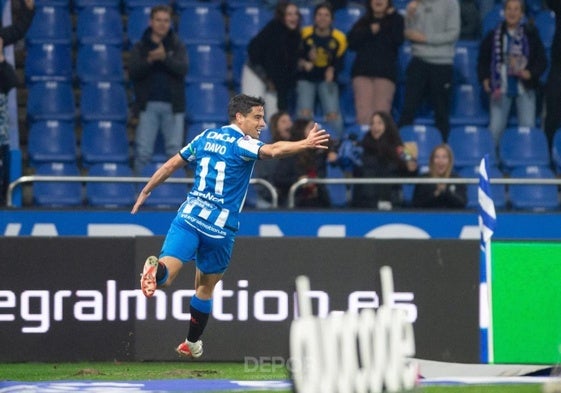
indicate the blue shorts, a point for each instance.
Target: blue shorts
{"x":186,"y":242}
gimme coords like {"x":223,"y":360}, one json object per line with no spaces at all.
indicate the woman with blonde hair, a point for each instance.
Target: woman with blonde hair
{"x":443,"y":195}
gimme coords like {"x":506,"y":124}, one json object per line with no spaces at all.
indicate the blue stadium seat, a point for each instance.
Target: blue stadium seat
{"x":535,"y":197}
{"x":556,"y":151}
{"x":207,"y":63}
{"x":246,"y":22}
{"x":99,"y":62}
{"x":239,"y":57}
{"x":344,"y":76}
{"x":54,"y":3}
{"x":338,"y":193}
{"x":51,"y":24}
{"x":48,"y":61}
{"x":545,"y":22}
{"x":137,"y":21}
{"x":426,"y":137}
{"x":306,"y":15}
{"x":132,"y":5}
{"x":347,"y":102}
{"x":207,"y":102}
{"x":523,"y":146}
{"x":105,"y":141}
{"x":202,"y":24}
{"x":498,"y":191}
{"x":181,"y":4}
{"x":57,"y":193}
{"x":51,"y":141}
{"x":100,"y":25}
{"x":166,"y":195}
{"x":470,"y":144}
{"x":103,"y":101}
{"x":195,"y":129}
{"x":465,"y":62}
{"x":110,"y":194}
{"x":467,"y":106}
{"x":50,"y":100}
{"x":80,"y":4}
{"x":492,"y":19}
{"x":344,"y":18}
{"x":403,"y":58}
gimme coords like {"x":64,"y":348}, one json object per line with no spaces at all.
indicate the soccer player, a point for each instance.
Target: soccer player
{"x":206,"y":223}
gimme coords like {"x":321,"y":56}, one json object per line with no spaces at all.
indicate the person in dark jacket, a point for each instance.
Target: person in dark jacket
{"x":9,"y":35}
{"x":376,"y":38}
{"x":511,"y":60}
{"x":452,"y":196}
{"x":553,"y":84}
{"x":272,"y":66}
{"x":384,"y":155}
{"x":17,"y":30}
{"x":157,"y":67}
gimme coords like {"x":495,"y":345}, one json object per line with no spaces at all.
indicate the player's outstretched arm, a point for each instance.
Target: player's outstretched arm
{"x":316,"y":139}
{"x":158,"y":178}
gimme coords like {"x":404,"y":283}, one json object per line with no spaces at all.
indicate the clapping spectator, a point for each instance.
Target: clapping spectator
{"x":320,"y":59}
{"x":384,"y":155}
{"x":376,"y":38}
{"x":157,"y":67}
{"x":511,"y":61}
{"x":441,"y":165}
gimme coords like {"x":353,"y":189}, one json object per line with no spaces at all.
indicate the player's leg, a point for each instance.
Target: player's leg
{"x":213,"y":258}
{"x":180,"y":246}
{"x":200,"y":309}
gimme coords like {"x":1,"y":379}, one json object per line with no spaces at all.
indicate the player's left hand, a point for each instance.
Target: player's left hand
{"x":139,"y":201}
{"x":317,"y":138}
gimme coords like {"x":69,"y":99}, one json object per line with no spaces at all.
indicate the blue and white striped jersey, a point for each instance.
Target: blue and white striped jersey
{"x":224,"y":158}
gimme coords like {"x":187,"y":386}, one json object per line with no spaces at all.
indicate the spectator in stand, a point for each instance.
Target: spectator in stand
{"x":292,"y":169}
{"x":9,"y":35}
{"x":272,"y":65}
{"x":553,"y":83}
{"x":432,"y":27}
{"x":320,"y":59}
{"x":511,"y":60}
{"x":376,"y":38}
{"x":383,"y":155}
{"x":157,"y":67}
{"x":280,"y":127}
{"x":452,"y":196}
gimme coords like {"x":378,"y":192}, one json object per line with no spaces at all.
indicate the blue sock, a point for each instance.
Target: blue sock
{"x":200,"y":311}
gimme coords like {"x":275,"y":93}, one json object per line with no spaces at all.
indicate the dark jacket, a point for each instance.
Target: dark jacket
{"x":454,"y":197}
{"x":273,"y":56}
{"x":8,"y":77}
{"x":376,"y":54}
{"x":16,"y":31}
{"x":380,"y":159}
{"x":170,"y":72}
{"x":537,"y":60}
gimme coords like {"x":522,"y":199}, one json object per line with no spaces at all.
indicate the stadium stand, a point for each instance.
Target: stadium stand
{"x":344,"y":18}
{"x":207,"y":63}
{"x":470,"y":144}
{"x":202,"y":24}
{"x":50,"y":100}
{"x":556,"y":151}
{"x":51,"y":24}
{"x":536,"y":197}
{"x":167,"y":195}
{"x":103,"y":101}
{"x":58,"y":194}
{"x":498,"y":191}
{"x":137,"y":21}
{"x":426,"y":137}
{"x":48,"y":61}
{"x":100,"y":25}
{"x":104,"y":141}
{"x":51,"y":141}
{"x":99,"y":62}
{"x":467,"y":106}
{"x":523,"y":146}
{"x":110,"y":194}
{"x":207,"y":102}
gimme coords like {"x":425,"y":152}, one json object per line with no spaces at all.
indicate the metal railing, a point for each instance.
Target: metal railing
{"x":411,"y":180}
{"x":119,"y":179}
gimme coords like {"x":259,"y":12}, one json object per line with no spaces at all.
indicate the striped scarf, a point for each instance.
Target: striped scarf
{"x":514,"y":56}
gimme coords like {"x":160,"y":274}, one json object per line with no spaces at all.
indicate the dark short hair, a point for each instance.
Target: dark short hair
{"x":327,"y":5}
{"x":242,"y":103}
{"x":161,"y":8}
